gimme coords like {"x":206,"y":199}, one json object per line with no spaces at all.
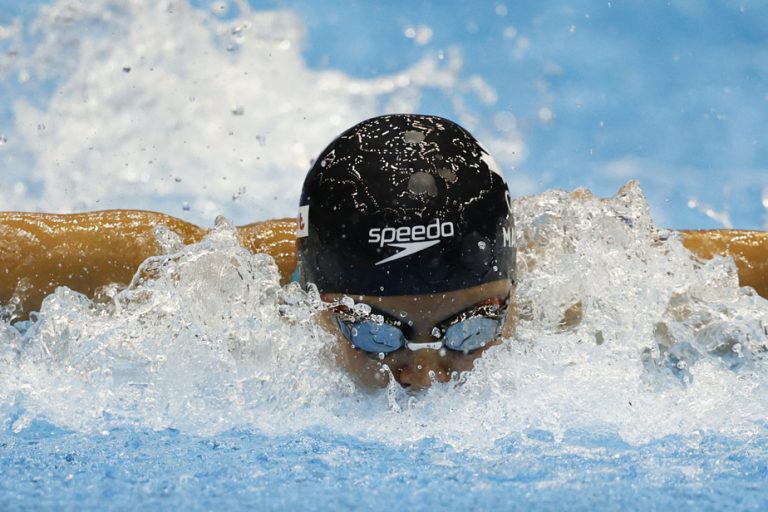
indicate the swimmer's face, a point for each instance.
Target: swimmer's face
{"x":417,"y":369}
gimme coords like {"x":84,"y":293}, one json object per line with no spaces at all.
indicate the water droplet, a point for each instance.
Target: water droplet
{"x":222,"y":222}
{"x":421,"y":34}
{"x":238,"y":110}
{"x":545,"y":114}
{"x":448,"y":175}
{"x":436,"y":333}
{"x":185,"y":206}
{"x":177,"y":179}
{"x":126,"y":69}
{"x":362,"y":309}
{"x":413,"y":136}
{"x":422,"y":183}
{"x":240,"y":193}
{"x":482,"y":245}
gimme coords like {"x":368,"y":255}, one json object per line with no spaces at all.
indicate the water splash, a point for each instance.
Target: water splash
{"x":638,"y":324}
{"x":134,"y":95}
{"x":765,"y":206}
{"x":195,"y":334}
{"x":721,"y":217}
{"x":619,"y":330}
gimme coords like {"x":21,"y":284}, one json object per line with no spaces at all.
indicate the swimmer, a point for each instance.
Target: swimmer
{"x":406,"y":215}
{"x":410,"y":216}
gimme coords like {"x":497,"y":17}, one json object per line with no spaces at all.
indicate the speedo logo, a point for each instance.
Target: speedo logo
{"x":411,"y":239}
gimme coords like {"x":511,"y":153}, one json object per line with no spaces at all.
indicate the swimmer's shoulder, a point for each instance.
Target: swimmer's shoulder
{"x":710,"y":242}
{"x":44,"y":226}
{"x":276,"y":237}
{"x":749,"y":250}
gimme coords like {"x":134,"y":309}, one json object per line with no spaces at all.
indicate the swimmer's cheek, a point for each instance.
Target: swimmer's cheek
{"x":365,"y":369}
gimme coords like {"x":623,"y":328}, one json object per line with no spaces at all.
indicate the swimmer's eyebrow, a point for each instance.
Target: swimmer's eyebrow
{"x":377,"y":311}
{"x":490,"y":301}
{"x":500,"y":301}
{"x":374,"y":309}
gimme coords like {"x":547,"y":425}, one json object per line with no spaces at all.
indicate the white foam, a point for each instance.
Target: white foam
{"x":208,"y":108}
{"x":161,"y":106}
{"x":664,"y":344}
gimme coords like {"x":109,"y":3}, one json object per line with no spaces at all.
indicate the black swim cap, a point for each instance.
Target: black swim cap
{"x":404,"y":205}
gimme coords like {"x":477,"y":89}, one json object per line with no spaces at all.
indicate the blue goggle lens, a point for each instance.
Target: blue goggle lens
{"x":471,"y":334}
{"x":464,"y":336}
{"x":372,"y":336}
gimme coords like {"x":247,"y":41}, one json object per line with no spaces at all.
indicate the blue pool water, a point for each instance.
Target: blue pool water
{"x":321,"y":470}
{"x":189,"y":390}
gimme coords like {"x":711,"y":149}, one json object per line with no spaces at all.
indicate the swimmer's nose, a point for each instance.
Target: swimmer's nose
{"x":425,"y":366}
{"x":421,"y":334}
{"x":410,"y":379}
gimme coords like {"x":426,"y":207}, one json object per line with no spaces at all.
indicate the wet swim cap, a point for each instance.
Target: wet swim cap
{"x":402,"y":205}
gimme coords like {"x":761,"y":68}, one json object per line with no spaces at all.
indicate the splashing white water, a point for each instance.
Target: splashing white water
{"x":619,"y":329}
{"x":765,"y":206}
{"x":161,"y":106}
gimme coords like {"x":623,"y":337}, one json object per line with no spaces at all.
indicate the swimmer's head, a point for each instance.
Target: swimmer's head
{"x":404,"y":205}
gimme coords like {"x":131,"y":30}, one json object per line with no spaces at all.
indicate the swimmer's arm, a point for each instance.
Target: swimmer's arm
{"x":749,"y":250}
{"x":84,"y":251}
{"x":275,"y":237}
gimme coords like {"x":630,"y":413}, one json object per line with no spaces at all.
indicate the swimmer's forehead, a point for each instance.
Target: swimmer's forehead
{"x":442,"y":302}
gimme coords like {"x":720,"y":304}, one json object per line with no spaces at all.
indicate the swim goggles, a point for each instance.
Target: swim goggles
{"x":381,"y":333}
